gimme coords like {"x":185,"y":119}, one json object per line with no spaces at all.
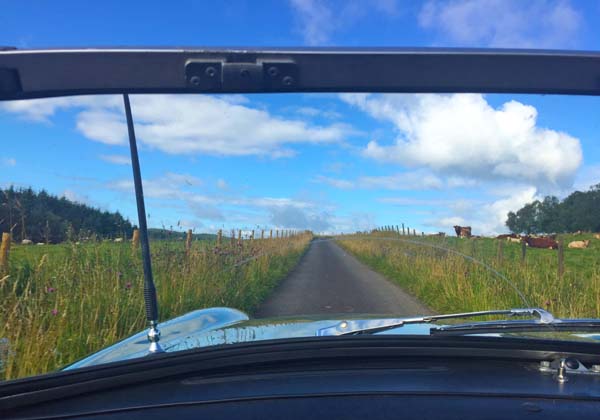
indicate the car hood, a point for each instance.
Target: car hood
{"x":216,"y":326}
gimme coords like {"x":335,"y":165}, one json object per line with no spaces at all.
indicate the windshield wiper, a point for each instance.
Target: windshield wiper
{"x":369,"y":326}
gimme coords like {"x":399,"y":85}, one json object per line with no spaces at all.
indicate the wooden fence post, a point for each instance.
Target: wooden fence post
{"x":277,"y":234}
{"x":402,"y":229}
{"x":239,"y":236}
{"x":4,"y":253}
{"x":232,"y":237}
{"x":523,"y":251}
{"x":252,"y":236}
{"x":561,"y":259}
{"x":414,"y":232}
{"x":188,"y":241}
{"x":271,"y":234}
{"x":219,"y":238}
{"x":135,"y":240}
{"x":262,"y":234}
{"x":500,"y":256}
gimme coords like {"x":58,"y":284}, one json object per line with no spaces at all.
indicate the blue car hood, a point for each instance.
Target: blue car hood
{"x":216,"y":326}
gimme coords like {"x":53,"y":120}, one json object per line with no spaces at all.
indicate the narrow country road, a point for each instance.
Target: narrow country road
{"x":328,"y":280}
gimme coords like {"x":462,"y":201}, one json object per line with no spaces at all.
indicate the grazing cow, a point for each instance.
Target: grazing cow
{"x":119,"y":240}
{"x":516,"y":240}
{"x":547,"y":243}
{"x":463,"y":231}
{"x":440,"y":234}
{"x":26,"y":242}
{"x":40,"y":243}
{"x":577,"y":233}
{"x":579,"y":244}
{"x":597,"y":236}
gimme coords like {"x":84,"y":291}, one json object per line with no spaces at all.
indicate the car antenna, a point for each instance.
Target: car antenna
{"x":150,"y":300}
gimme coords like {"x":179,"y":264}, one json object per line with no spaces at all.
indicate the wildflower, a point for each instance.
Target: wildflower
{"x":128,"y":285}
{"x":547,"y":303}
{"x":50,"y":289}
{"x":54,"y":311}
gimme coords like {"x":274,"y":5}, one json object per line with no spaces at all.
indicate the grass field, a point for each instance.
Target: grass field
{"x":448,"y":282}
{"x":62,"y":302}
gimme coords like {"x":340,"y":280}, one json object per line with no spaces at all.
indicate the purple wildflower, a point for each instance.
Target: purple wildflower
{"x":128,"y":285}
{"x":50,"y":289}
{"x":54,"y":311}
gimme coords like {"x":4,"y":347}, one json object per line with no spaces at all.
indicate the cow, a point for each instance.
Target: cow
{"x":579,"y":244}
{"x":439,"y":234}
{"x":118,"y":239}
{"x":508,"y":235}
{"x":26,"y":242}
{"x":463,"y":231}
{"x":547,"y":243}
{"x":597,"y":236}
{"x":517,"y":239}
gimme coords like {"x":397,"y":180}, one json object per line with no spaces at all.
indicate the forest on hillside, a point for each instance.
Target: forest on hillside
{"x":43,"y":217}
{"x":580,"y":211}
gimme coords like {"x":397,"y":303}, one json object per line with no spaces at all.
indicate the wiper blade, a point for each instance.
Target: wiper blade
{"x":570,"y":325}
{"x":369,"y":326}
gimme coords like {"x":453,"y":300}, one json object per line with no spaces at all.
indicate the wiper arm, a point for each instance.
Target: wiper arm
{"x":369,"y":326}
{"x":518,"y":326}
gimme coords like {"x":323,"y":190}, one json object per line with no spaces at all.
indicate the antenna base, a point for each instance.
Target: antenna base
{"x":154,"y":338}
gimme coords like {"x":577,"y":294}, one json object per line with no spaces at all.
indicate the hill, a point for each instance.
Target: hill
{"x":43,"y":217}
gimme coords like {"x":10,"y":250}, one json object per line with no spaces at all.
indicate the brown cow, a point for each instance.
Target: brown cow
{"x":597,"y":236}
{"x":463,"y":231}
{"x":547,"y":243}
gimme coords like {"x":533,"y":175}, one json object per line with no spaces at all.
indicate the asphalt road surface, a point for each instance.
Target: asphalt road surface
{"x":328,"y":280}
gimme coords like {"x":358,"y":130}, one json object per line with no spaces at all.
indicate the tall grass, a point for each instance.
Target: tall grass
{"x":448,"y":282}
{"x":62,"y":302}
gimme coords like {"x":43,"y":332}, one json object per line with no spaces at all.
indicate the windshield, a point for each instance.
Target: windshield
{"x":297,"y":210}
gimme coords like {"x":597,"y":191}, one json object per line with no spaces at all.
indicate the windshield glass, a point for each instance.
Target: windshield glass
{"x":297,"y":210}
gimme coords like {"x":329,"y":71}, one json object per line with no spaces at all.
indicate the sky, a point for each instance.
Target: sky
{"x":325,"y":162}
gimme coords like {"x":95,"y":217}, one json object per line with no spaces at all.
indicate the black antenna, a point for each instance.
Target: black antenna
{"x":149,"y":289}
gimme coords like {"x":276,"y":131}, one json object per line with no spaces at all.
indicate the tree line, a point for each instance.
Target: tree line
{"x":580,"y":211}
{"x":43,"y":217}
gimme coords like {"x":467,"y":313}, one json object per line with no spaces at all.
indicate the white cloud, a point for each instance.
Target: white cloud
{"x":116,"y":159}
{"x":186,"y":124}
{"x":503,"y":23}
{"x":10,"y":161}
{"x":465,"y":137}
{"x":342,"y":184}
{"x":40,"y":110}
{"x":486,"y":217}
{"x":318,"y":20}
{"x":289,"y":217}
{"x":75,"y":197}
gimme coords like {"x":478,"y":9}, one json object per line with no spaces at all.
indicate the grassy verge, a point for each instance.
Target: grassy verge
{"x":62,"y":302}
{"x":447,"y":282}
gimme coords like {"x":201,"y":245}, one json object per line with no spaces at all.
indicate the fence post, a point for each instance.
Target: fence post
{"x":262,"y":234}
{"x":219,"y":237}
{"x":252,"y":236}
{"x":414,"y":232}
{"x":402,"y":229}
{"x":135,"y":240}
{"x":239,"y":236}
{"x":500,"y":252}
{"x":271,"y":234}
{"x":277,"y":234}
{"x":188,"y":241}
{"x":4,"y":253}
{"x":232,"y":237}
{"x":523,"y":251}
{"x":561,"y":259}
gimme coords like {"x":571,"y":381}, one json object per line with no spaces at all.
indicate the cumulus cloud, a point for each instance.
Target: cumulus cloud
{"x":116,"y":159}
{"x":408,"y":180}
{"x":503,"y":23}
{"x":318,"y":20}
{"x":463,"y":136}
{"x":187,"y":124}
{"x":296,"y":218}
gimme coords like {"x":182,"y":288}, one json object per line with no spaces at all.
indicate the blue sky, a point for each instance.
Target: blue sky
{"x":324,"y":162}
